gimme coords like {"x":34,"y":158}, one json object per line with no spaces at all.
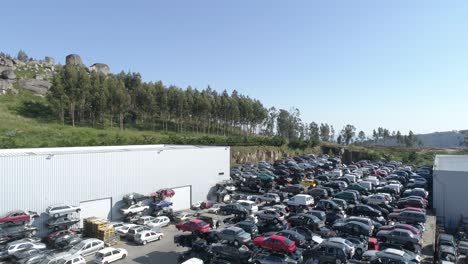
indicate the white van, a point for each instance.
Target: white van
{"x":351,"y":178}
{"x":336,"y":173}
{"x":373,"y":180}
{"x":300,"y":200}
{"x":395,"y":186}
{"x":249,"y":205}
{"x":366,"y":184}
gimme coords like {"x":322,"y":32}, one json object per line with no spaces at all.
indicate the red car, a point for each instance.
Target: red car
{"x":409,"y":209}
{"x":163,"y":193}
{"x":194,"y":225}
{"x":50,"y":238}
{"x":372,"y":243}
{"x":206,"y":204}
{"x":275,"y":242}
{"x":411,"y":203}
{"x":411,"y":228}
{"x":18,"y":216}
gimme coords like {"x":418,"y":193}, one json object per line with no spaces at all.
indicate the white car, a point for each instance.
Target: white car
{"x":117,"y":225}
{"x":13,"y":247}
{"x":87,"y":247}
{"x":57,"y":210}
{"x":160,"y":221}
{"x":109,"y":255}
{"x":214,"y":209}
{"x":74,"y":259}
{"x":135,"y":208}
{"x":123,"y":230}
{"x":144,"y":220}
{"x":148,"y":236}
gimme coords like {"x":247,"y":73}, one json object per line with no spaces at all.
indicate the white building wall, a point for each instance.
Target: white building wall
{"x":33,"y":182}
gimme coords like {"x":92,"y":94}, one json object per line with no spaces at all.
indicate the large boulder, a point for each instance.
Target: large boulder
{"x":49,"y":60}
{"x":5,"y":85}
{"x":74,"y":59}
{"x":100,"y":67}
{"x":8,"y":74}
{"x":36,"y":86}
{"x":6,"y":62}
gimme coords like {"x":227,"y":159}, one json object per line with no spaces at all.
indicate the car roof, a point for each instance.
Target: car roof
{"x":278,"y":237}
{"x":106,"y":250}
{"x":195,"y":220}
{"x":234,"y":228}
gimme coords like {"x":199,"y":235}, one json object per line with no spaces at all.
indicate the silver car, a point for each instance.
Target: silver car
{"x":233,"y":234}
{"x":87,"y":247}
{"x":57,"y":210}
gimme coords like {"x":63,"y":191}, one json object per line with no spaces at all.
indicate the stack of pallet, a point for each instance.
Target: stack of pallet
{"x":100,"y":229}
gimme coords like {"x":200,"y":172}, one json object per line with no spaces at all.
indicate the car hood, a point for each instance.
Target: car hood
{"x":258,"y":240}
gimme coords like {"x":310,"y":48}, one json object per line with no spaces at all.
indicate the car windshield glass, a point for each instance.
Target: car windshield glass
{"x":99,"y":255}
{"x":288,"y":241}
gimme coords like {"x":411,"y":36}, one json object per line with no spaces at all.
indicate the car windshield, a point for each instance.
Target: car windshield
{"x":288,"y":241}
{"x":99,"y":255}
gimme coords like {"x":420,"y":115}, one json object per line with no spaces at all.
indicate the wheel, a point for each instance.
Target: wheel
{"x":78,"y":211}
{"x":56,"y":215}
{"x":124,"y":256}
{"x":258,"y":262}
{"x":216,"y":237}
{"x":275,"y":221}
{"x":384,"y":239}
{"x":236,"y":243}
{"x":358,"y":252}
{"x":338,"y":261}
{"x":106,"y":262}
{"x":144,"y":242}
{"x":159,"y":238}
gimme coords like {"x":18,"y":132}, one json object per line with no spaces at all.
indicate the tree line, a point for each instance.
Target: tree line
{"x":80,"y":97}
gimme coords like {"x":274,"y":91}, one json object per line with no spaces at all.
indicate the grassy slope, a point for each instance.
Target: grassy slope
{"x":18,"y":131}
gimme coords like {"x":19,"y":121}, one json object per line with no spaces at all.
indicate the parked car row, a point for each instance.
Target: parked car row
{"x":311,"y":209}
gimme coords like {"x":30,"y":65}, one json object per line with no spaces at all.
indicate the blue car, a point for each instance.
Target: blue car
{"x":161,"y":204}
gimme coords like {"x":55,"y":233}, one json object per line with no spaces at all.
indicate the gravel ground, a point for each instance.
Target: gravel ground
{"x":427,"y":254}
{"x":163,"y":251}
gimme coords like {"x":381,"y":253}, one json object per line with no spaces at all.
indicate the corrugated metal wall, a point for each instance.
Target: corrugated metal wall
{"x":37,"y":181}
{"x":450,"y":188}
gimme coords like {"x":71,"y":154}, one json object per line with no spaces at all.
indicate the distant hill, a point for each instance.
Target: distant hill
{"x":447,"y":139}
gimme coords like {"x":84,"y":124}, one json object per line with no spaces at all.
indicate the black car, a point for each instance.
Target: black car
{"x":294,"y":189}
{"x":364,"y":210}
{"x":248,"y":227}
{"x":241,"y":254}
{"x":318,"y":193}
{"x":353,"y":228}
{"x":306,"y":232}
{"x":381,"y":209}
{"x":328,"y":206}
{"x":310,"y":221}
{"x":328,"y":252}
{"x":233,"y":208}
{"x":269,"y":257}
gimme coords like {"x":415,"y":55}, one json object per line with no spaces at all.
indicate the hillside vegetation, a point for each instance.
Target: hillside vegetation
{"x":26,"y":121}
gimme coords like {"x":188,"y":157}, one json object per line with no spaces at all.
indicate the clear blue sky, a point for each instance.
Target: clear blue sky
{"x":397,"y":64}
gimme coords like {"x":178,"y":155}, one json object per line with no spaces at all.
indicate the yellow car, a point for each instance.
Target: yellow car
{"x":309,"y":183}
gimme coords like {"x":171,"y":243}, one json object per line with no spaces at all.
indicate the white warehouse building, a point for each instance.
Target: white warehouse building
{"x":450,"y":180}
{"x":96,"y":178}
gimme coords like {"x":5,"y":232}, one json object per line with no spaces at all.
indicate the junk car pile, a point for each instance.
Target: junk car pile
{"x":311,"y":209}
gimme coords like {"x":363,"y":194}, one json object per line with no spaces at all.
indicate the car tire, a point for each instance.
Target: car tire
{"x":257,"y":262}
{"x":236,"y":243}
{"x":216,"y":237}
{"x":159,"y":238}
{"x":275,"y":221}
{"x":78,"y":211}
{"x":358,"y":252}
{"x":338,"y":261}
{"x":56,"y":215}
{"x":124,"y":256}
{"x":144,"y":242}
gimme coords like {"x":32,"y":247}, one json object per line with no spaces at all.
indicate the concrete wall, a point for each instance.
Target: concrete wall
{"x":450,"y":196}
{"x":33,"y":182}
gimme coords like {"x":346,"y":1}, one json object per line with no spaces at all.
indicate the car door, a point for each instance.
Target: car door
{"x":86,"y":249}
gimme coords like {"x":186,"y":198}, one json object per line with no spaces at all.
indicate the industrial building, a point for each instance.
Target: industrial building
{"x":450,"y":186}
{"x":96,"y":178}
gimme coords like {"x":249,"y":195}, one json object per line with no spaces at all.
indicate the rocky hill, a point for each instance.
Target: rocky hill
{"x":36,"y":75}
